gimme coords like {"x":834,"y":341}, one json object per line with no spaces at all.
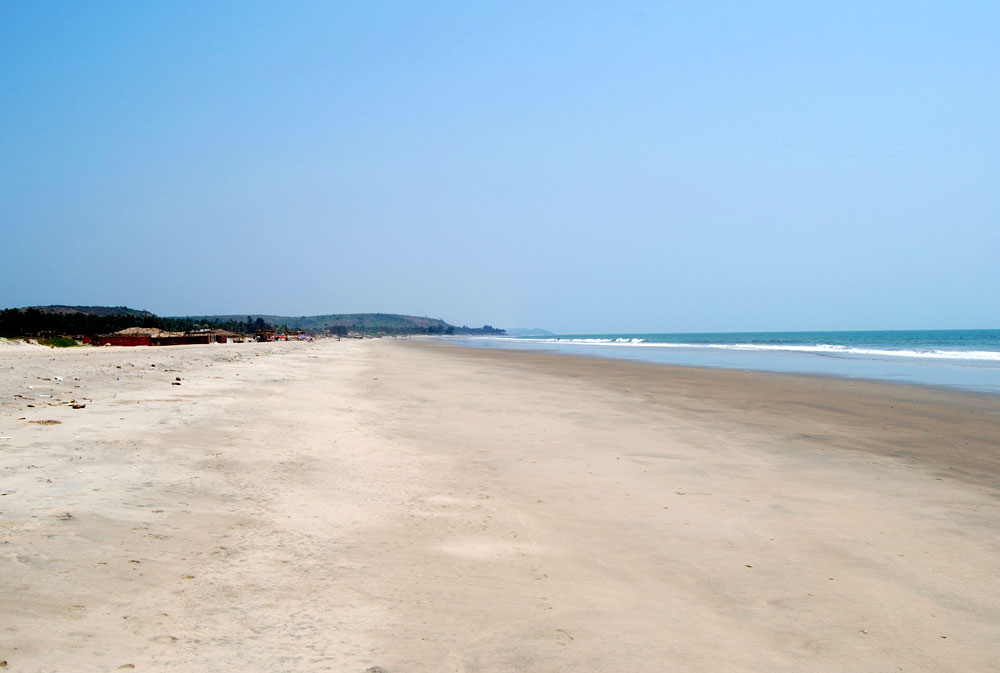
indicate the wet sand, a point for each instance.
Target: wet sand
{"x":416,"y":506}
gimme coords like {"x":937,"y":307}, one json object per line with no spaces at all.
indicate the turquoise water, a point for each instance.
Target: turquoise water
{"x":964,"y":359}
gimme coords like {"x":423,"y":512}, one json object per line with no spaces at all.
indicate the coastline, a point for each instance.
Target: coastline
{"x":416,"y":506}
{"x":900,"y":407}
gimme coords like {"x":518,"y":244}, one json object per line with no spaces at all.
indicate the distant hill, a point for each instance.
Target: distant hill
{"x":101,"y":311}
{"x":367,"y":323}
{"x":528,"y":332}
{"x":359,"y":321}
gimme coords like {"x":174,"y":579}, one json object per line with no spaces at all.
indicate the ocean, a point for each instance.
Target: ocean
{"x":964,"y":359}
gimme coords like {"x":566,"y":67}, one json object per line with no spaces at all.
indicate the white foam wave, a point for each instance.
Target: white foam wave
{"x":818,"y":349}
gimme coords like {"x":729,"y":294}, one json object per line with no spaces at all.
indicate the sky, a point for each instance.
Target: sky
{"x":585,"y":167}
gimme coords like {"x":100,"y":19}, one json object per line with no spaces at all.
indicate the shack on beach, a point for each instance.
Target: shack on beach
{"x":152,"y":336}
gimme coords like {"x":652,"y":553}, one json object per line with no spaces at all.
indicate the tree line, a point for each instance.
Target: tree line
{"x":32,"y":322}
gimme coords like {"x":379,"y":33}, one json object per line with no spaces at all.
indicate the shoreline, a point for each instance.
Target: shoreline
{"x":978,"y":378}
{"x":980,"y":409}
{"x":413,"y":506}
{"x":816,"y":376}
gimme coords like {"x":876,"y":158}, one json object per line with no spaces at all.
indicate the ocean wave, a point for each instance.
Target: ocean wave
{"x":817,"y":349}
{"x":577,"y":340}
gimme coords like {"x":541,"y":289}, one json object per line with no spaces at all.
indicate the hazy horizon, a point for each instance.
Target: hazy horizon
{"x":256,"y":314}
{"x":582,"y":168}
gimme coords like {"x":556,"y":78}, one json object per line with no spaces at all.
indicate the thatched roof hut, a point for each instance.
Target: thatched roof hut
{"x":152,"y":332}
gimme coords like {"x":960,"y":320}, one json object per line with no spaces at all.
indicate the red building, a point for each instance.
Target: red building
{"x":120,"y":340}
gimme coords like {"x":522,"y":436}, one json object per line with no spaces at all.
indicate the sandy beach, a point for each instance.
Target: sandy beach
{"x":408,"y":506}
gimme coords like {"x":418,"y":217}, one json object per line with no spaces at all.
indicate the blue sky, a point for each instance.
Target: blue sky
{"x":584,"y":167}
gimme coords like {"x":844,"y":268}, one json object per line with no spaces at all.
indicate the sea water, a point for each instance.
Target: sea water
{"x":964,"y":359}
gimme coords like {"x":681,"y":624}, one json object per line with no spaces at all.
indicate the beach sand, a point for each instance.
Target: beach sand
{"x":414,"y":506}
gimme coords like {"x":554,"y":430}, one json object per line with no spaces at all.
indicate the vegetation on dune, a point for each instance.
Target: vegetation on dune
{"x":57,"y":342}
